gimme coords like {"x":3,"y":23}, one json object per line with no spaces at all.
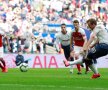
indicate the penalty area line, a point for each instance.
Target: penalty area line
{"x":53,"y":86}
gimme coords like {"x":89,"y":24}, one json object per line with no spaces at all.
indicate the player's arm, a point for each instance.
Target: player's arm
{"x":85,"y":40}
{"x":57,"y":41}
{"x":94,"y":43}
{"x":84,"y":37}
{"x":92,"y":37}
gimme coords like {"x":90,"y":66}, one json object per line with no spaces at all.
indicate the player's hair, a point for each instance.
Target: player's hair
{"x":75,"y":21}
{"x":63,"y":24}
{"x":92,"y":21}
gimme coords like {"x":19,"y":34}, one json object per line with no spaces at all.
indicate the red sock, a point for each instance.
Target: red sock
{"x":1,"y":66}
{"x":78,"y":67}
{"x":3,"y":62}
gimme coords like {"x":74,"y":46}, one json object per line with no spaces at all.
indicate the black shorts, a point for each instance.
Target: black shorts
{"x":97,"y":51}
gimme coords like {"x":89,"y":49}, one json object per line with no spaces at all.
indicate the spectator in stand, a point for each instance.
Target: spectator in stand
{"x":38,"y":12}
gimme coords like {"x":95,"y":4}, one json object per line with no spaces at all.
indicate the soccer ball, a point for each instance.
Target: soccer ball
{"x":24,"y":67}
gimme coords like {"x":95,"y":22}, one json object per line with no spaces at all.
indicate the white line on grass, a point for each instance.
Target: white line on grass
{"x":53,"y":86}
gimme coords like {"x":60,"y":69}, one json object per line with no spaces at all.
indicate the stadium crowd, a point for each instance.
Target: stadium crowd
{"x":25,"y":18}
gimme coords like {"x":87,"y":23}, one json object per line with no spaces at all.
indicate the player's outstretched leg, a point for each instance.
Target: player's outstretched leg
{"x":66,"y":63}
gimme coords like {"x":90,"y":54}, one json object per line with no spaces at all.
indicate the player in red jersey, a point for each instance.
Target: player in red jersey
{"x":2,"y":62}
{"x":78,"y":38}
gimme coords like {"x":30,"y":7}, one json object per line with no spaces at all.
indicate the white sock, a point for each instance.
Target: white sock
{"x":93,"y":67}
{"x":78,"y":61}
{"x":75,"y":62}
{"x":71,"y":68}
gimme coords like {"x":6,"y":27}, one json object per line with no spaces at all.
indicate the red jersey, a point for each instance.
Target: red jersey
{"x":78,"y":37}
{"x":1,"y":43}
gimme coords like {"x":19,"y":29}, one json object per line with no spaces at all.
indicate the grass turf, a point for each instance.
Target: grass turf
{"x":52,"y":79}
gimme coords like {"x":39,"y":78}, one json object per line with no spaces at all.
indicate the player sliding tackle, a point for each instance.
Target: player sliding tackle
{"x":100,"y":49}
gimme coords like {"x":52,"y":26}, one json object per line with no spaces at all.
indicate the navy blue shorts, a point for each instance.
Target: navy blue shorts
{"x":97,"y":51}
{"x":67,"y":52}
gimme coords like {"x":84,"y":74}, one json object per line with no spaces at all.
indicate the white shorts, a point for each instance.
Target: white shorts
{"x":77,"y":49}
{"x":1,"y":52}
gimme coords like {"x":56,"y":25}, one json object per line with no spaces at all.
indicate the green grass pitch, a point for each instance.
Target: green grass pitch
{"x":52,"y":79}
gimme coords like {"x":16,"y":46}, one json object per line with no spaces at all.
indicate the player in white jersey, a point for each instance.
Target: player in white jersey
{"x":78,"y":38}
{"x":64,"y":38}
{"x":100,"y":49}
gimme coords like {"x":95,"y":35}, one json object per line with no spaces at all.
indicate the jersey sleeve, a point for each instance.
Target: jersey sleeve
{"x":97,"y":29}
{"x":83,"y":32}
{"x":57,"y":41}
{"x":57,"y":36}
{"x":2,"y":31}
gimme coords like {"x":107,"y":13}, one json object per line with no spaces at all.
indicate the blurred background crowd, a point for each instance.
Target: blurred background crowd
{"x":33,"y":23}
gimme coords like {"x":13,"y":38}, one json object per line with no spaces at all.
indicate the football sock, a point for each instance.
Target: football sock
{"x":71,"y":68}
{"x":93,"y":67}
{"x":3,"y":62}
{"x":1,"y":65}
{"x":75,"y":62}
{"x":78,"y":67}
{"x":78,"y":61}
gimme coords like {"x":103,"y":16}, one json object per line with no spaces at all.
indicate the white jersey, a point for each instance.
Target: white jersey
{"x":95,"y":39}
{"x":101,"y":33}
{"x":2,"y":31}
{"x":63,"y":38}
